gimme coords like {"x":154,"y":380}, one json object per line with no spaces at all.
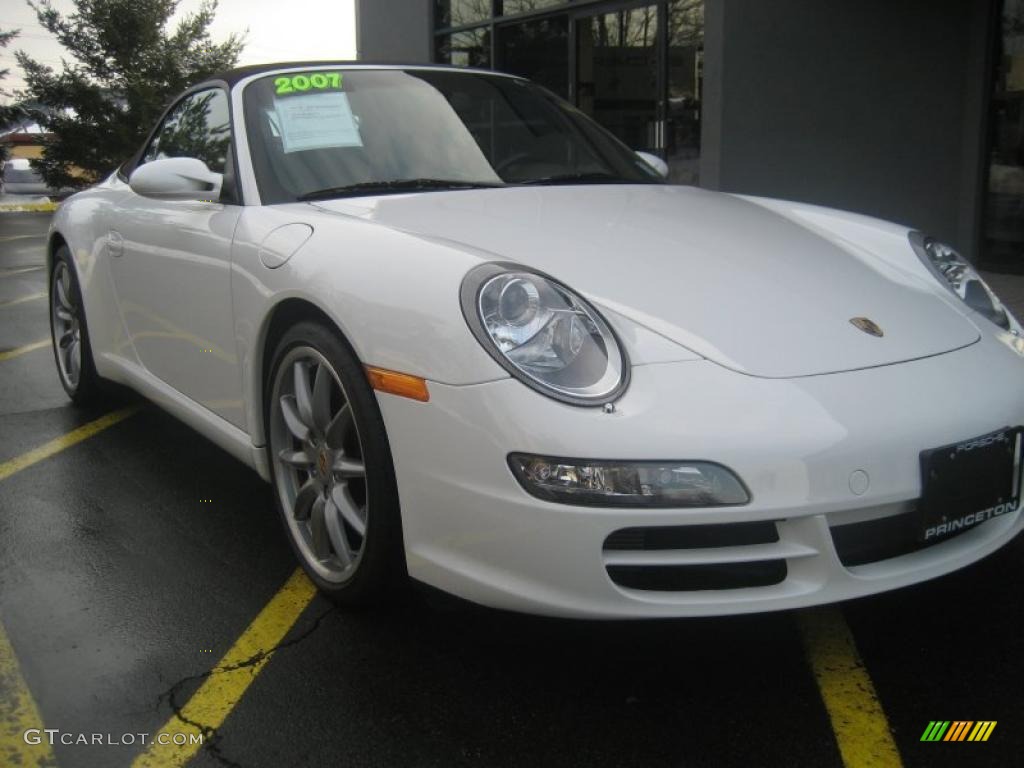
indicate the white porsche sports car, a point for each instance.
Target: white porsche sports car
{"x":470,"y":337}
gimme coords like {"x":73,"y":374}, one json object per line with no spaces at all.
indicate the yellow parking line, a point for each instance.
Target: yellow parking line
{"x":25,"y":207}
{"x":858,"y":721}
{"x":58,"y":444}
{"x":17,"y":351}
{"x":18,"y":713}
{"x":232,"y":676}
{"x":21,"y":237}
{"x":18,"y":271}
{"x":23,"y":299}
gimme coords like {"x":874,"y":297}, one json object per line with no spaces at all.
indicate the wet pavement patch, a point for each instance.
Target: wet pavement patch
{"x":108,"y":542}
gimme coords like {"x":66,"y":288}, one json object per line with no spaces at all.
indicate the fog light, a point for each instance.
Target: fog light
{"x":628,"y":483}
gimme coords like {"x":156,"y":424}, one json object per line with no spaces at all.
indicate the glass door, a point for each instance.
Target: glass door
{"x":618,"y":76}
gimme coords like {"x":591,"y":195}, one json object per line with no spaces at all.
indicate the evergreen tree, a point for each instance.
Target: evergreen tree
{"x":125,"y":65}
{"x":8,"y":113}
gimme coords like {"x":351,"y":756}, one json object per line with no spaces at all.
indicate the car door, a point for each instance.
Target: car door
{"x":171,"y":263}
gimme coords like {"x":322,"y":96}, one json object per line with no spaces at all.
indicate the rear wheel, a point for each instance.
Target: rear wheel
{"x":331,"y":467}
{"x":70,"y":334}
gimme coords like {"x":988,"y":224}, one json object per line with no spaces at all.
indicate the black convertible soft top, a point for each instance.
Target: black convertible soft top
{"x":233,"y":76}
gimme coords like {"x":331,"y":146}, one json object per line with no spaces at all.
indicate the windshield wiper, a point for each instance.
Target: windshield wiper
{"x":596,"y":177}
{"x":397,"y":185}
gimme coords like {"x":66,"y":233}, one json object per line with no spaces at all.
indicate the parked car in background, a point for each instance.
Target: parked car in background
{"x":20,"y":178}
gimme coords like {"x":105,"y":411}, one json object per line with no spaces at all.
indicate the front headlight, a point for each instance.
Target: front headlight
{"x":956,"y":273}
{"x":544,"y":334}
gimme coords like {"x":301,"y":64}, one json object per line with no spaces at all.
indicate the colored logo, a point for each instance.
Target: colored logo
{"x":958,"y":730}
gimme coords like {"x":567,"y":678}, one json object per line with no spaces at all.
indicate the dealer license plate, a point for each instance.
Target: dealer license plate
{"x":967,"y":483}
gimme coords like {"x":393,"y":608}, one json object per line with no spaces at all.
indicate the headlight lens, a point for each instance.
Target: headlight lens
{"x":956,"y":273}
{"x":628,"y":483}
{"x":544,"y":334}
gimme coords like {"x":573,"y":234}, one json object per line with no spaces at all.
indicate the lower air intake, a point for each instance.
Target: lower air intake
{"x":690,"y":558}
{"x":693,"y":578}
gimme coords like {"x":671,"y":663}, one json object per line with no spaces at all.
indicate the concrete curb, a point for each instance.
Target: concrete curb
{"x":28,"y":207}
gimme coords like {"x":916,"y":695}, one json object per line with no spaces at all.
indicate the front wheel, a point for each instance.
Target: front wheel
{"x":70,"y":334}
{"x":331,"y":467}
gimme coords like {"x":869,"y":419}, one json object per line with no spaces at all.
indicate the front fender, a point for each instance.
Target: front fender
{"x":82,"y":223}
{"x":392,"y":295}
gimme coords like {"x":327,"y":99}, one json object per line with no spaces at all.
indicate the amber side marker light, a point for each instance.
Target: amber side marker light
{"x":395,"y":383}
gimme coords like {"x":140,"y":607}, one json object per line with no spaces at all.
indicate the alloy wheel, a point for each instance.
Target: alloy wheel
{"x":318,"y":464}
{"x":67,"y":327}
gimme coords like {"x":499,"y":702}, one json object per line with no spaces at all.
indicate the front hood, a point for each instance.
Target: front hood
{"x":728,"y":279}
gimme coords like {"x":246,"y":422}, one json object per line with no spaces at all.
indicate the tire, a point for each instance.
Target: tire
{"x":331,"y":468}
{"x":72,"y":350}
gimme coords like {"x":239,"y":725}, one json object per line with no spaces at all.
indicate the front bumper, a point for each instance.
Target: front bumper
{"x":802,"y":446}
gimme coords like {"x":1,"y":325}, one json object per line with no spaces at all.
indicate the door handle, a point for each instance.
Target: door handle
{"x":115,"y":243}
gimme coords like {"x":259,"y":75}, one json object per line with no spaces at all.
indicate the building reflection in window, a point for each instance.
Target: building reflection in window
{"x":685,"y":77}
{"x":523,"y":6}
{"x":455,"y":13}
{"x":1004,"y":219}
{"x":617,"y":74}
{"x":471,"y":48}
{"x":539,"y":50}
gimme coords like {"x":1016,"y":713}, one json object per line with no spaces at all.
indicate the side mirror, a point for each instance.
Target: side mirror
{"x":177,"y":178}
{"x":655,"y":162}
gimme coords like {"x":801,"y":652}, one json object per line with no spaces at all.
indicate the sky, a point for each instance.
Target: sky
{"x":279,"y":30}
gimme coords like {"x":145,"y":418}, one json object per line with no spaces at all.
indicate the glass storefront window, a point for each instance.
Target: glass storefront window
{"x":685,"y":77}
{"x":455,"y":13}
{"x":523,"y":6}
{"x":617,"y":74}
{"x":638,"y":68}
{"x":1004,"y":215}
{"x":471,"y":48}
{"x":538,"y":50}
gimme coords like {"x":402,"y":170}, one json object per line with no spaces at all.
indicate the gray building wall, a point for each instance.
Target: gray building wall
{"x":394,"y":30}
{"x":875,"y":106}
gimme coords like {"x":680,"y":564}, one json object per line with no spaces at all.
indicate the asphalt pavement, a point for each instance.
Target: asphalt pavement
{"x":146,"y":587}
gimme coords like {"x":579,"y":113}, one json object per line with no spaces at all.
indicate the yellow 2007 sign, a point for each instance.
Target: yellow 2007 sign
{"x":316,"y":81}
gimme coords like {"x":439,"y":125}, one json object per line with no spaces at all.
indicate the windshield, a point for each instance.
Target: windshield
{"x":335,"y":133}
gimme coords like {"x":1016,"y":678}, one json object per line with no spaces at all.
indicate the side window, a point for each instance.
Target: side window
{"x":199,"y":127}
